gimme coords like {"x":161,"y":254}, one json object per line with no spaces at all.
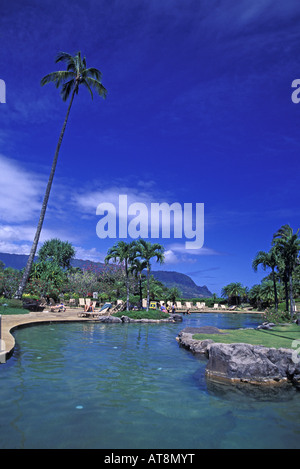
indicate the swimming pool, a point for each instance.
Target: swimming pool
{"x":130,"y":386}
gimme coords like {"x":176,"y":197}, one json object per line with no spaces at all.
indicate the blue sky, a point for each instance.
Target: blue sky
{"x":198,"y":110}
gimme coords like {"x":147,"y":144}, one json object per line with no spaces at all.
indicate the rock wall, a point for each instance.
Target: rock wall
{"x":245,"y":363}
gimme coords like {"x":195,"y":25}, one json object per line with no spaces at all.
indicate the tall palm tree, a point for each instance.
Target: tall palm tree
{"x":137,"y":267}
{"x":147,"y":251}
{"x":287,"y":244}
{"x":268,"y":259}
{"x":69,"y":80}
{"x":123,"y":253}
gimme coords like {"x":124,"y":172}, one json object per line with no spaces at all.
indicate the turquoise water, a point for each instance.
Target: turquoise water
{"x":130,"y":386}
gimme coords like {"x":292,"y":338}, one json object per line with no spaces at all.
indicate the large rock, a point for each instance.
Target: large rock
{"x":252,"y":363}
{"x":109,"y":319}
{"x":185,"y":339}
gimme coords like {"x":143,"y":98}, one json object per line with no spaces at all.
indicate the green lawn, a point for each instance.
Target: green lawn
{"x":277,"y":337}
{"x":5,"y":310}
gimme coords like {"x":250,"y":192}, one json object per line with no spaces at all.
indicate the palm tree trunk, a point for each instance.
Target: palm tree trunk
{"x":148,"y":288}
{"x":291,"y":296}
{"x":28,"y":267}
{"x":127,"y":285}
{"x":275,"y":290}
{"x":286,"y":289}
{"x":140,"y":288}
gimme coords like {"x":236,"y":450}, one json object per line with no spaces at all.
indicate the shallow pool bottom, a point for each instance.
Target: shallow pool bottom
{"x":130,"y":386}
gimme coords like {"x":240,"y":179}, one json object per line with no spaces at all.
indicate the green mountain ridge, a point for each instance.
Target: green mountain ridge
{"x":183,"y":282}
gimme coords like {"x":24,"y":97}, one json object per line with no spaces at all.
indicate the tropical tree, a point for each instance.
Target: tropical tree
{"x":69,"y":80}
{"x":173,"y":293}
{"x":146,"y":251}
{"x":9,"y":281}
{"x":255,"y":296}
{"x":59,"y":251}
{"x":46,"y":277}
{"x":123,"y":253}
{"x":157,"y":290}
{"x":234,"y":292}
{"x":268,"y":260}
{"x":287,"y":245}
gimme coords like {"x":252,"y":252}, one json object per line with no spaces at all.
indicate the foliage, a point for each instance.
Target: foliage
{"x":235,"y":292}
{"x":11,"y":306}
{"x":283,"y":260}
{"x":9,"y":281}
{"x":123,"y":253}
{"x":287,"y":246}
{"x":277,"y":316}
{"x":76,"y":74}
{"x":146,"y":251}
{"x":61,"y":252}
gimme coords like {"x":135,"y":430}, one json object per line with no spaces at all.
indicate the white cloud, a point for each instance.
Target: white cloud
{"x":177,"y":253}
{"x":89,"y":254}
{"x":19,"y":192}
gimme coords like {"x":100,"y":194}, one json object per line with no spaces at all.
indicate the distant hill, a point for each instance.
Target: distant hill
{"x":183,"y":282}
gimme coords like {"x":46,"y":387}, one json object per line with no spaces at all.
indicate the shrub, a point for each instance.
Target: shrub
{"x":277,"y":316}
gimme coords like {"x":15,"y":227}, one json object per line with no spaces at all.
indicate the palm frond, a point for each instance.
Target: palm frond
{"x":85,"y":83}
{"x":93,"y":73}
{"x":66,"y":89}
{"x":57,"y":77}
{"x":65,"y":57}
{"x":50,"y":78}
{"x":97,"y":86}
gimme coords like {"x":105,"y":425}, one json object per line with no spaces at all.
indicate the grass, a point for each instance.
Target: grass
{"x":11,"y":306}
{"x":6,"y":310}
{"x":151,"y":314}
{"x":278,"y":337}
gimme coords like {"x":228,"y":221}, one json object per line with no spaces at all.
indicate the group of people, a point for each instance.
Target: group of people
{"x":170,"y":309}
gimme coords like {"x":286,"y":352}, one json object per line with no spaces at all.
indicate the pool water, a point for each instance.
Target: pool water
{"x":130,"y":386}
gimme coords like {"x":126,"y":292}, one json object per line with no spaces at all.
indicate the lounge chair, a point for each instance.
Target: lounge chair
{"x":188,"y":305}
{"x":223,"y":307}
{"x":95,"y":314}
{"x":104,"y":310}
{"x":120,"y":306}
{"x":81,"y":302}
{"x":179,"y":305}
{"x":232,"y":308}
{"x":56,"y":307}
{"x":216,"y":306}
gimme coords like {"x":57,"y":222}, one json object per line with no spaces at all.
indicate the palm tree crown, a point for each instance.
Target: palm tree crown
{"x":76,"y":74}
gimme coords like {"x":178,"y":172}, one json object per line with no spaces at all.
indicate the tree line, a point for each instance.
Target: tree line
{"x":283,"y":281}
{"x":126,"y":273}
